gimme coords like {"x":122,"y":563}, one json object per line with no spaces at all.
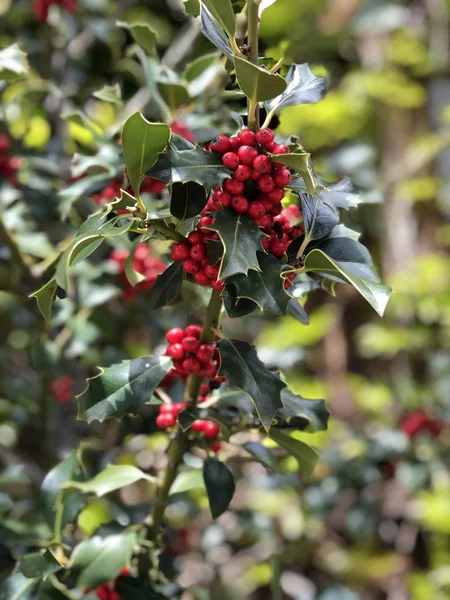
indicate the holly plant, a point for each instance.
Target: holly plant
{"x":245,"y":225}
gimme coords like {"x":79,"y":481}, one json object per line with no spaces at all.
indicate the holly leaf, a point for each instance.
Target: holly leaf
{"x":264,"y":287}
{"x":241,"y":365}
{"x":44,"y":298}
{"x":100,"y":559}
{"x":110,"y":93}
{"x":167,"y":286}
{"x":303,"y":87}
{"x":111,"y":479}
{"x":237,"y":308}
{"x":142,"y":34}
{"x":182,"y":166}
{"x":66,"y":470}
{"x":306,"y":456}
{"x":318,"y":218}
{"x":123,"y":389}
{"x":175,"y":93}
{"x":257,"y":83}
{"x":222,"y":10}
{"x":220,"y":486}
{"x":376,"y":294}
{"x":297,"y":310}
{"x":131,"y":588}
{"x":241,"y":238}
{"x":342,"y":194}
{"x":13,"y":63}
{"x":261,"y":454}
{"x":187,"y":480}
{"x":142,"y":143}
{"x":18,"y":587}
{"x":215,"y":33}
{"x":38,"y":565}
{"x":188,"y":200}
{"x":309,"y":415}
{"x":300,"y":162}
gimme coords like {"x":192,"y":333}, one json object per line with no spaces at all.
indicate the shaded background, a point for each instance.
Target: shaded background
{"x":375,"y":521}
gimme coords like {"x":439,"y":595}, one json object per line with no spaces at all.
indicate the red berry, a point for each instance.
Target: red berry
{"x":234,"y":187}
{"x":5,"y":144}
{"x":270,"y":147}
{"x":193,"y":330}
{"x":218,"y":285}
{"x":215,"y":447}
{"x":247,"y":137}
{"x":276,"y":195}
{"x":180,"y":251}
{"x":166,"y":409}
{"x":264,"y":221}
{"x":267,"y":204}
{"x":205,"y":222}
{"x":240,"y":204}
{"x":230,"y":160}
{"x":190,"y":343}
{"x":276,"y":209}
{"x":204,"y":389}
{"x":235,"y":143}
{"x":198,"y":251}
{"x":282,"y":177}
{"x":220,"y":379}
{"x":255,"y":175}
{"x":195,"y":237}
{"x":191,"y":266}
{"x":265,"y":243}
{"x":265,"y":184}
{"x":191,"y":365}
{"x":211,"y":430}
{"x":176,"y":351}
{"x":175,"y":335}
{"x":262,"y":164}
{"x":212,"y":271}
{"x":255,"y":209}
{"x":278,"y":248}
{"x":242,"y":173}
{"x":247,"y":154}
{"x":220,"y":144}
{"x":281,"y":149}
{"x":205,"y":353}
{"x":201,"y":277}
{"x":223,"y":198}
{"x":197,"y":426}
{"x":166,"y":420}
{"x":264,"y":136}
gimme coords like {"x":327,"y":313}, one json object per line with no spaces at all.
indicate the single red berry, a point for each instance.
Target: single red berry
{"x":195,"y":237}
{"x":215,"y":447}
{"x":247,"y":137}
{"x":266,"y":203}
{"x":270,"y":147}
{"x":190,"y":343}
{"x":264,"y":221}
{"x":282,"y":177}
{"x":276,"y":209}
{"x":191,"y":365}
{"x":220,"y":144}
{"x":278,"y":248}
{"x":218,"y":285}
{"x":265,"y":184}
{"x":223,"y":198}
{"x":255,"y":175}
{"x":165,"y":420}
{"x":166,"y":409}
{"x":239,"y":204}
{"x":255,"y":209}
{"x":265,"y":243}
{"x":211,"y":430}
{"x":198,"y":251}
{"x":281,"y":149}
{"x":220,"y":379}
{"x":176,"y":351}
{"x":175,"y":335}
{"x":276,"y":195}
{"x":243,"y":172}
{"x":287,"y":284}
{"x":180,"y":251}
{"x":291,"y":276}
{"x":205,"y":222}
{"x":201,"y":277}
{"x":205,"y":353}
{"x":262,"y":164}
{"x":197,"y":426}
{"x":191,"y":266}
{"x":193,"y":330}
{"x":247,"y":154}
{"x":230,"y":160}
{"x":212,"y":271}
{"x":235,"y":143}
{"x":264,"y":136}
{"x":234,"y":187}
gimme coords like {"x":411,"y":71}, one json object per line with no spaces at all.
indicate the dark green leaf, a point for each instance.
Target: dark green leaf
{"x":219,"y":483}
{"x":318,"y":218}
{"x":350,"y":253}
{"x":100,"y":559}
{"x":237,"y":308}
{"x":188,"y":200}
{"x":17,"y":587}
{"x":222,"y":10}
{"x":306,"y":456}
{"x":186,"y":418}
{"x":167,"y":286}
{"x":342,"y":194}
{"x":212,"y":30}
{"x":303,"y":87}
{"x":142,"y":142}
{"x":67,"y":470}
{"x":275,"y":583}
{"x":376,"y":294}
{"x":111,"y":479}
{"x":261,"y":454}
{"x":296,"y":310}
{"x":123,"y":389}
{"x":38,"y":564}
{"x":313,"y":412}
{"x":241,"y":365}
{"x":263,"y":287}
{"x":13,"y":63}
{"x":241,"y":238}
{"x":143,"y":34}
{"x":192,"y":7}
{"x":195,"y":165}
{"x":130,"y":588}
{"x":257,"y":83}
{"x":110,"y":93}
{"x":45,"y":297}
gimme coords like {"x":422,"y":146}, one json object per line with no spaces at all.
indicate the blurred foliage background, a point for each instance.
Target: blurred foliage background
{"x":374,"y":523}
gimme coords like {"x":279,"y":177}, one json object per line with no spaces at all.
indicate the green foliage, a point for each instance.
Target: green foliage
{"x":219,"y":483}
{"x":257,"y":83}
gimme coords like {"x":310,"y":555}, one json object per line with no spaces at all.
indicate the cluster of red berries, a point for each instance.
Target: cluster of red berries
{"x":108,"y":591}
{"x":9,"y":165}
{"x":420,"y":421}
{"x":144,"y":263}
{"x":167,"y":418}
{"x":62,"y":388}
{"x":149,"y":186}
{"x":42,"y":7}
{"x":189,"y":355}
{"x":194,"y":254}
